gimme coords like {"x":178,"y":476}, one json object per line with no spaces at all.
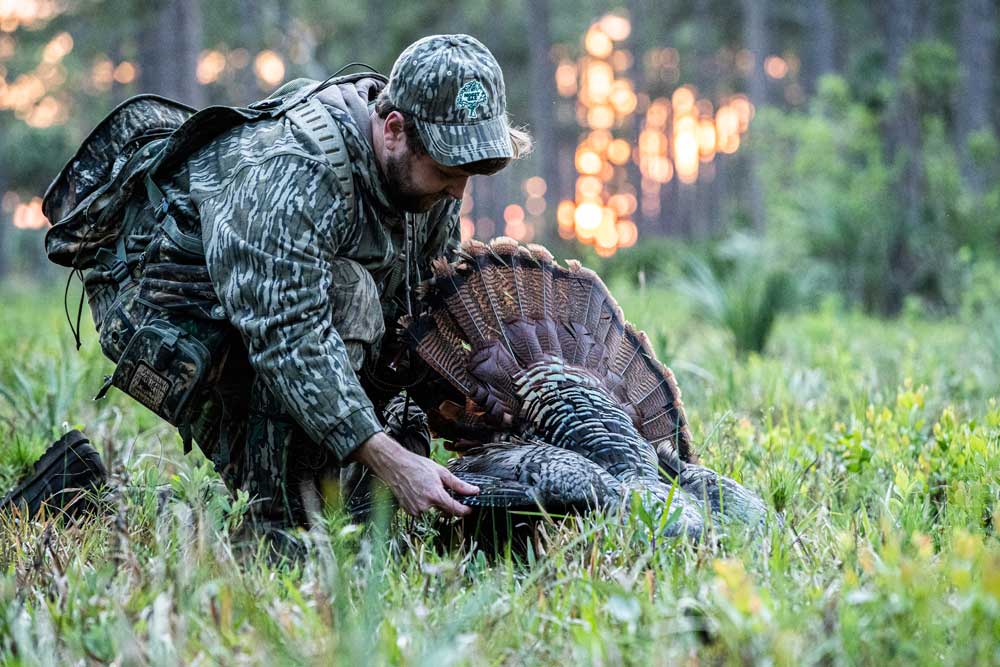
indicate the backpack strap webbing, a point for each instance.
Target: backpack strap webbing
{"x":161,"y":210}
{"x":312,"y":118}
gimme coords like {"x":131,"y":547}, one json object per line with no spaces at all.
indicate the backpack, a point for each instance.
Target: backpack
{"x":111,"y":221}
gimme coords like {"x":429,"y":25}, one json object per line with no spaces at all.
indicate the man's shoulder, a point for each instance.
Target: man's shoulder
{"x":251,"y":144}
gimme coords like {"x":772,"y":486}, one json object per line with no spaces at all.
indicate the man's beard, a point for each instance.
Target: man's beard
{"x":401,"y":191}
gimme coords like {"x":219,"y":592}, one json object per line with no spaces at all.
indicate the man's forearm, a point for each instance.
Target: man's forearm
{"x":417,"y":482}
{"x":376,"y":451}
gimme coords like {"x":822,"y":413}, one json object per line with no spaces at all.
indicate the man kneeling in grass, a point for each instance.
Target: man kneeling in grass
{"x":308,"y":267}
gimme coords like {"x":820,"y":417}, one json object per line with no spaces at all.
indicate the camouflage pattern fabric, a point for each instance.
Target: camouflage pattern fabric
{"x":161,"y":367}
{"x":281,"y":466}
{"x":454,"y":88}
{"x":303,"y":278}
{"x":90,"y":173}
{"x":86,"y":203}
{"x":309,"y":290}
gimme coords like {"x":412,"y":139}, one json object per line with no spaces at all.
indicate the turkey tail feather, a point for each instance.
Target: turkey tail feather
{"x":503,"y":307}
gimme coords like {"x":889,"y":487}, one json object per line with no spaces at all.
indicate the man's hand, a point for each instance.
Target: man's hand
{"x":417,"y":482}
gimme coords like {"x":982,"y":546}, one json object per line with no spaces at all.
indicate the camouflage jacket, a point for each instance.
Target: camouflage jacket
{"x":274,"y":222}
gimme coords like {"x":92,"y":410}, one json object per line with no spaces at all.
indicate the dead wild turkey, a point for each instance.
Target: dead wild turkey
{"x":552,"y":397}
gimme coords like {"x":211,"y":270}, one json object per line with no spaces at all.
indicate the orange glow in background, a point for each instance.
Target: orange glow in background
{"x":631,"y":142}
{"x":678,"y":136}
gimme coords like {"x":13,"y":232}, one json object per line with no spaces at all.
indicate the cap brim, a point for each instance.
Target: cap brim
{"x":454,"y":145}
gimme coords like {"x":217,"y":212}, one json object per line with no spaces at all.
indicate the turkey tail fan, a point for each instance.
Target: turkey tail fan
{"x":652,"y":388}
{"x":437,"y":340}
{"x":502,"y":307}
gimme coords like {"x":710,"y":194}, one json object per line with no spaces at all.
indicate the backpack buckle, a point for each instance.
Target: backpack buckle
{"x":166,"y":350}
{"x":119,"y":271}
{"x":116,"y":266}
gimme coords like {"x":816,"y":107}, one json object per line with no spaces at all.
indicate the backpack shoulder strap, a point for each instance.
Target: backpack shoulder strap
{"x":312,"y":117}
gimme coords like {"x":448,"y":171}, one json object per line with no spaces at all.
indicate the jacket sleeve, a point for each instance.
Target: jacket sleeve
{"x":270,"y":235}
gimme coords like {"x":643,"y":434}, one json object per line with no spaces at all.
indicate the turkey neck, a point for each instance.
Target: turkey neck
{"x":568,"y":408}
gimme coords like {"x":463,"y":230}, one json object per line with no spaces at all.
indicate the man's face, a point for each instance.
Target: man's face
{"x":417,"y":182}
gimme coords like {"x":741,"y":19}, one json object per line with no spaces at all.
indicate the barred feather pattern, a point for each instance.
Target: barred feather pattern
{"x":569,"y":409}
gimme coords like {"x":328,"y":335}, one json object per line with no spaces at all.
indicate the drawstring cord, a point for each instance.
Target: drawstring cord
{"x":326,"y":82}
{"x":409,"y":243}
{"x":79,"y":308}
{"x":75,"y":269}
{"x":406,"y":280}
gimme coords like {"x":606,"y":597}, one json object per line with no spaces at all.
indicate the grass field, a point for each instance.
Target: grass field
{"x":879,"y":441}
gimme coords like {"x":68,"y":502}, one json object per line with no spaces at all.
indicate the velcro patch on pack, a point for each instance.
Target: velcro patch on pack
{"x":149,"y":387}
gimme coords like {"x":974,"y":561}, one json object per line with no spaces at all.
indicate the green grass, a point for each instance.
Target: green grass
{"x":880,"y":442}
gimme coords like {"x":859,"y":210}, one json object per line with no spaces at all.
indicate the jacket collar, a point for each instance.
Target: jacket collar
{"x":351,"y":104}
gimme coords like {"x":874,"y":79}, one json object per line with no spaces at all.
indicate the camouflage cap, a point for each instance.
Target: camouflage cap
{"x":453,"y":88}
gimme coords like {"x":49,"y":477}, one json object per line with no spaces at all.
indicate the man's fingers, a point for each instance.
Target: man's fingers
{"x":457,"y":485}
{"x":449,"y":505}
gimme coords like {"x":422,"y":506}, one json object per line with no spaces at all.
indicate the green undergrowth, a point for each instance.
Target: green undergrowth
{"x":878,"y":441}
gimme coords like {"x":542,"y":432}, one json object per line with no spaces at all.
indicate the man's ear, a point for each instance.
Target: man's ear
{"x":392,"y":130}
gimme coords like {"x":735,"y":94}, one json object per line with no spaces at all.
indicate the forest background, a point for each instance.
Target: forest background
{"x":851,"y":143}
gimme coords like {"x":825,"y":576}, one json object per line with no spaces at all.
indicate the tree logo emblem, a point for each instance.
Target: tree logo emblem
{"x":470,"y":96}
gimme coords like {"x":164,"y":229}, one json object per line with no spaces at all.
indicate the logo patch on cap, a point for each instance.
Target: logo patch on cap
{"x":471,"y":96}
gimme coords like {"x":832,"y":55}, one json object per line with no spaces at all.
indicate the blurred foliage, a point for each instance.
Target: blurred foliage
{"x":830,"y":199}
{"x":821,"y":144}
{"x":653,"y":259}
{"x":827,"y":189}
{"x":744,"y":292}
{"x":929,"y":73}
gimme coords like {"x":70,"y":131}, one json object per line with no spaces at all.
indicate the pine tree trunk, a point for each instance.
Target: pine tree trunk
{"x":638,"y":43}
{"x":903,"y":150}
{"x":755,"y":40}
{"x":543,"y":102}
{"x":249,"y":36}
{"x":186,"y":49}
{"x":5,"y":223}
{"x":169,"y":44}
{"x":822,"y":28}
{"x":369,"y":44}
{"x":150,"y":76}
{"x":977,"y":67}
{"x":700,"y":222}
